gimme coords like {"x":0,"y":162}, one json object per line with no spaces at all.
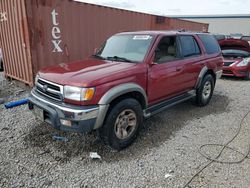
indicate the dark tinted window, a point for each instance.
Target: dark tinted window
{"x":189,"y":46}
{"x":210,"y":43}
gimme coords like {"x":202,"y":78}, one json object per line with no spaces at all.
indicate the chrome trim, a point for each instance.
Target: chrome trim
{"x":219,"y":74}
{"x":48,"y":95}
{"x":60,"y":93}
{"x":49,"y":89}
{"x":52,"y":83}
{"x":82,"y":114}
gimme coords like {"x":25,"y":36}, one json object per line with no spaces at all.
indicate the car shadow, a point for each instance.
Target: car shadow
{"x":156,"y":130}
{"x":233,"y":78}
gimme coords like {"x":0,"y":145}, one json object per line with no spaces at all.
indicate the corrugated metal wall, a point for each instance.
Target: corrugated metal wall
{"x":83,"y":27}
{"x":177,"y":24}
{"x":14,"y":41}
{"x":40,"y":33}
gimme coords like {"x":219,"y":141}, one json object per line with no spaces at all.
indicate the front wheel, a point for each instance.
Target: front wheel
{"x":122,"y":124}
{"x":205,"y":91}
{"x":248,"y":76}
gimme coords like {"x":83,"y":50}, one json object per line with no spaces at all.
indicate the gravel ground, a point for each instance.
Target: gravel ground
{"x":168,"y":145}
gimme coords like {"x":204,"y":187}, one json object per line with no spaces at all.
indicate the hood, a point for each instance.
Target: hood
{"x":87,"y":73}
{"x":234,"y":44}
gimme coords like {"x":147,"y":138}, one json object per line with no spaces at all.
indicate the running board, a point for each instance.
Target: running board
{"x":157,"y":108}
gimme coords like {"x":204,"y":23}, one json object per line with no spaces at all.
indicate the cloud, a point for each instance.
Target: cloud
{"x":125,"y":4}
{"x":224,"y":2}
{"x":178,"y":7}
{"x":120,"y":4}
{"x":175,"y":10}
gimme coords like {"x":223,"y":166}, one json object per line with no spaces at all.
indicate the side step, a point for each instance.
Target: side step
{"x":155,"y":109}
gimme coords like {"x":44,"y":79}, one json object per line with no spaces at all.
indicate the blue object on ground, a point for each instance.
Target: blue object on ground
{"x":16,"y":103}
{"x":60,"y":138}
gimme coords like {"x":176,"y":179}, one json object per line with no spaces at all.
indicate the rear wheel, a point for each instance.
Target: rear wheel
{"x":205,"y":91}
{"x":1,"y":65}
{"x":122,"y":124}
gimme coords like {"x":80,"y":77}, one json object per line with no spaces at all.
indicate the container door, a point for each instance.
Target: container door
{"x":14,"y":41}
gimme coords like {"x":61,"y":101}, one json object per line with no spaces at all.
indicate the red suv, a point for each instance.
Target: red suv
{"x":133,"y":76}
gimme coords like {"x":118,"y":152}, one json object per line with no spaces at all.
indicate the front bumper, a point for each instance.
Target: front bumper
{"x":218,"y":74}
{"x":83,"y":119}
{"x":235,"y":71}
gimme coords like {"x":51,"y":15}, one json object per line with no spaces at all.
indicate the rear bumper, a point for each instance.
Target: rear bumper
{"x":82,"y":119}
{"x":235,"y":71}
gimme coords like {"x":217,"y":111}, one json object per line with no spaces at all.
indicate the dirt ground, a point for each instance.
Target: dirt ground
{"x":164,"y":155}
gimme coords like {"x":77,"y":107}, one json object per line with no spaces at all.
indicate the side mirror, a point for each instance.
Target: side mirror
{"x":96,"y":50}
{"x":153,"y":63}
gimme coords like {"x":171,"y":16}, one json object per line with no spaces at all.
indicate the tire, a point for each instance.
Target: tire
{"x":116,"y":131}
{"x":1,"y":65}
{"x":205,"y":92}
{"x":248,"y":76}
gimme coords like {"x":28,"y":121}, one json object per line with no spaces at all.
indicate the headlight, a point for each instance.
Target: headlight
{"x":244,"y":62}
{"x":36,"y":78}
{"x":78,"y":94}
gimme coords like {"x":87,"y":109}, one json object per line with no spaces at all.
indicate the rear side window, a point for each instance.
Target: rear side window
{"x":189,"y":46}
{"x":210,"y":43}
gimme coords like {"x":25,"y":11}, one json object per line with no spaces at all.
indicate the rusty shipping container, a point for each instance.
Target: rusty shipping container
{"x":40,"y":33}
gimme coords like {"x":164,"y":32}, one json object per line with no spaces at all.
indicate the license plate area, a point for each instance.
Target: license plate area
{"x":39,"y":113}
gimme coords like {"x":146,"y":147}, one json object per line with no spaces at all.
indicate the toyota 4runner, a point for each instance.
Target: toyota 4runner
{"x":133,"y":76}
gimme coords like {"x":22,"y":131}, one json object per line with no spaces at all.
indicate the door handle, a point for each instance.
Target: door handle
{"x":178,"y":68}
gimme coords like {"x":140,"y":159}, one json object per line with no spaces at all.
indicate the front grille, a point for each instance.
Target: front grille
{"x":49,"y":89}
{"x":227,"y":72}
{"x":57,"y":88}
{"x":228,"y":63}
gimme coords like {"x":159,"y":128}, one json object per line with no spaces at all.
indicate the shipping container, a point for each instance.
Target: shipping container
{"x":40,"y":33}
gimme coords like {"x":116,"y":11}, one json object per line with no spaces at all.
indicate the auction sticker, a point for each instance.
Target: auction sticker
{"x":142,"y":37}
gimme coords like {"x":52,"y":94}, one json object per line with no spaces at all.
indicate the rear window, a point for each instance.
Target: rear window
{"x":210,"y":43}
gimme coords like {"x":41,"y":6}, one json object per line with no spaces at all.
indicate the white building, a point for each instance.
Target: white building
{"x":223,"y":24}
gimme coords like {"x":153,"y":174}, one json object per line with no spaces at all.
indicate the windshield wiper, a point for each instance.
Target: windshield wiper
{"x":98,"y":56}
{"x":117,"y":58}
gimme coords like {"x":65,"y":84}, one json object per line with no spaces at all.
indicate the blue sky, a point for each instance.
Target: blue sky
{"x":179,"y":7}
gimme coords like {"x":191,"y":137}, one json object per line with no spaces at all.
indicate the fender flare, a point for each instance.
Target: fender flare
{"x":200,"y":77}
{"x":112,"y":94}
{"x":119,"y":90}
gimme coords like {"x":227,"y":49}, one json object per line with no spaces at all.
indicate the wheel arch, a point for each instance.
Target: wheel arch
{"x":116,"y":94}
{"x":129,"y":89}
{"x":204,"y":71}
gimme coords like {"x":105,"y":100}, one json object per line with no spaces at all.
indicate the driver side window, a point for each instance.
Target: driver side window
{"x":166,"y":50}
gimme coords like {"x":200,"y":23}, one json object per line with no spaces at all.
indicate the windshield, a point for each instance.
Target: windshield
{"x":246,"y":38}
{"x":235,"y":53}
{"x":127,"y":48}
{"x":220,"y":37}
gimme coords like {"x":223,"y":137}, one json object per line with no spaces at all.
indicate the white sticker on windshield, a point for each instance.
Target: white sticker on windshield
{"x":142,"y":37}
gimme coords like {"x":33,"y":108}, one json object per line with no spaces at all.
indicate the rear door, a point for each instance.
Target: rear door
{"x":191,"y":61}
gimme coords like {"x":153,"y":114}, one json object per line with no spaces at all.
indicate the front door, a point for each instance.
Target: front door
{"x":164,"y":74}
